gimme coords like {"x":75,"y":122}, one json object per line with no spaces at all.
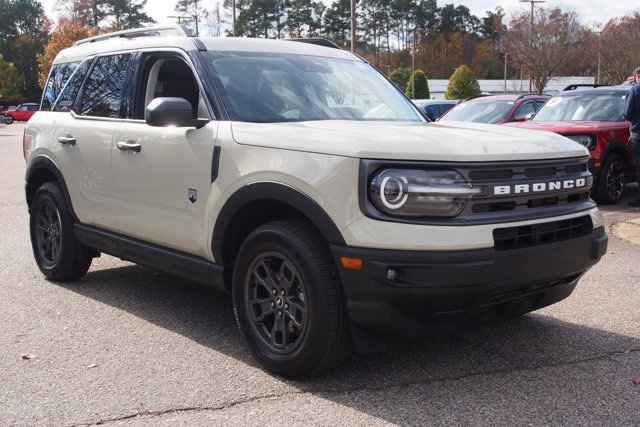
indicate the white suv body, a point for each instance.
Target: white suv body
{"x":325,"y":220}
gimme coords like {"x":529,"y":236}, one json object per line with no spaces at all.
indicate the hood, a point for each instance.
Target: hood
{"x":453,"y":141}
{"x":590,"y":126}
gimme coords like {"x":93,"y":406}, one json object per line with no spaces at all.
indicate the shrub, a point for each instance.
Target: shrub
{"x":462,"y":84}
{"x":422,"y":86}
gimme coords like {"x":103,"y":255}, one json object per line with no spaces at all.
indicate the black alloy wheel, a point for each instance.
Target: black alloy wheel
{"x":275,"y":301}
{"x":48,"y":232}
{"x":288,"y":300}
{"x":60,"y":257}
{"x":610,"y":186}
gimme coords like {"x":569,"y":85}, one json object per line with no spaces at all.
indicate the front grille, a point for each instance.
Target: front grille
{"x":525,"y":236}
{"x":528,"y":174}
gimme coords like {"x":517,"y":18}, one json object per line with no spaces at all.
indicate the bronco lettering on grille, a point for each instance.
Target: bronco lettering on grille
{"x":539,"y":187}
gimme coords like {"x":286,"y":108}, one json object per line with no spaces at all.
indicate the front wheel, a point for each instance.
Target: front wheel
{"x":610,"y":185}
{"x":288,"y":301}
{"x":7,"y":119}
{"x":58,"y":254}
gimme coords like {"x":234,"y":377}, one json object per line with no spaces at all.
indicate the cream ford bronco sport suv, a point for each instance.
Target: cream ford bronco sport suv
{"x":296,"y":177}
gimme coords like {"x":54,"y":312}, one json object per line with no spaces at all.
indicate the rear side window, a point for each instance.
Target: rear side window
{"x":102,"y":91}
{"x":58,"y":76}
{"x":71,"y":88}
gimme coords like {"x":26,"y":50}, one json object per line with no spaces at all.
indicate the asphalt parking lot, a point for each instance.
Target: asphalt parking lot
{"x":126,"y":346}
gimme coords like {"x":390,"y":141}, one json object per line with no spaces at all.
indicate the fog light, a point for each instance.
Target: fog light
{"x":392,"y":274}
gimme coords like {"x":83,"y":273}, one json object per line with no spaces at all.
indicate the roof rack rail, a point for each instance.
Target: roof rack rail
{"x":157,"y":31}
{"x":576,"y":86}
{"x":317,"y":41}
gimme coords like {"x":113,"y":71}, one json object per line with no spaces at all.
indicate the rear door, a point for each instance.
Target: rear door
{"x":84,"y":136}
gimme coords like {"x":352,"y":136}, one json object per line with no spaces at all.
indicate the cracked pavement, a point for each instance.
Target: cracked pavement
{"x":127,"y":347}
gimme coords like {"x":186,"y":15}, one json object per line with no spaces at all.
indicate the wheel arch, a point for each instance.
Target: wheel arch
{"x":257,"y":204}
{"x":41,"y":170}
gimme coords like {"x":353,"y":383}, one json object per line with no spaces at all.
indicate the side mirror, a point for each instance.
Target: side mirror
{"x":178,"y":112}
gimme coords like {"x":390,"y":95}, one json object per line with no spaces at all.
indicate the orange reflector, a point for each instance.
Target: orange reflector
{"x":598,"y":164}
{"x":351,"y":263}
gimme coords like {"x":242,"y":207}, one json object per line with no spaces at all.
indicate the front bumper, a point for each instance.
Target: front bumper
{"x":414,"y":293}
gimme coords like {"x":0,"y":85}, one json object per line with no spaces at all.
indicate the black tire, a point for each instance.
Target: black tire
{"x":288,"y":301}
{"x":57,"y":252}
{"x":609,"y":188}
{"x":8,"y":119}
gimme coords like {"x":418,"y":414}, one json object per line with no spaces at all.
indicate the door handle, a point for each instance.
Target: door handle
{"x":67,"y":140}
{"x":129,"y":146}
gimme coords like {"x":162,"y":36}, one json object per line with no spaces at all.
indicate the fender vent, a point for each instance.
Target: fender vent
{"x":526,"y":236}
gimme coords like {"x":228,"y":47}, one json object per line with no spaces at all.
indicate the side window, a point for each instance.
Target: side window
{"x":101,"y":95}
{"x":539,"y":104}
{"x":524,"y":110}
{"x":71,"y":88}
{"x":166,"y":76}
{"x":58,"y":76}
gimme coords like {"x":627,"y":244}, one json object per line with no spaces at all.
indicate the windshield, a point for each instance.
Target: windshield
{"x":258,"y":87}
{"x":602,"y":107}
{"x":480,"y":112}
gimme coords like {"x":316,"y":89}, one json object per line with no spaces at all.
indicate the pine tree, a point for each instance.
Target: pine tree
{"x":193,"y":10}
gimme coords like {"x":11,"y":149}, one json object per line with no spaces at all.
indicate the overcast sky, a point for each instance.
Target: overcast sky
{"x":590,"y":11}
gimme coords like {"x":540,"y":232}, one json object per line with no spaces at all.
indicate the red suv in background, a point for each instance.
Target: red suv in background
{"x":496,"y":109}
{"x":22,"y":112}
{"x":593,"y":118}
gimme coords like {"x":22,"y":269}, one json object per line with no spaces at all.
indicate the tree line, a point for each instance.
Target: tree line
{"x":391,"y":34}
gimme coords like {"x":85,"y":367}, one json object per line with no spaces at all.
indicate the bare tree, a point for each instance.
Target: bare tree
{"x":619,"y":48}
{"x":554,"y":42}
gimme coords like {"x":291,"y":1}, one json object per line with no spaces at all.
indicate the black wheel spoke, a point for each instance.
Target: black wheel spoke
{"x":286,"y":276}
{"x":265,"y":276}
{"x":280,"y":333}
{"x":265,"y":309}
{"x":296,"y":323}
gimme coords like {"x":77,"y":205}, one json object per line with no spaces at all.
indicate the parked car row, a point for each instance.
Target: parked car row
{"x":591,"y":116}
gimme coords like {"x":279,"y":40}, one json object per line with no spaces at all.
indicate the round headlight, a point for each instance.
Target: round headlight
{"x":416,"y":193}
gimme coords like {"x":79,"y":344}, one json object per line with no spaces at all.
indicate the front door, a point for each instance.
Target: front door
{"x":163,"y":174}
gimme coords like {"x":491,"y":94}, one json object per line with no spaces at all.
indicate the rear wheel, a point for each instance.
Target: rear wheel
{"x":288,"y":301}
{"x":58,"y":254}
{"x":610,"y":185}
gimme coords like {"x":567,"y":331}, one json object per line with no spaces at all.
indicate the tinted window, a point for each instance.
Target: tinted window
{"x":524,"y":110}
{"x":58,"y":76}
{"x":71,"y":88}
{"x":103,"y":88}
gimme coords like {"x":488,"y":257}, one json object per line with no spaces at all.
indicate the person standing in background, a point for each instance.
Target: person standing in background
{"x":631,"y":112}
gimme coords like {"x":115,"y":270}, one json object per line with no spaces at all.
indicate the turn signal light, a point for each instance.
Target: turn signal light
{"x":351,"y":263}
